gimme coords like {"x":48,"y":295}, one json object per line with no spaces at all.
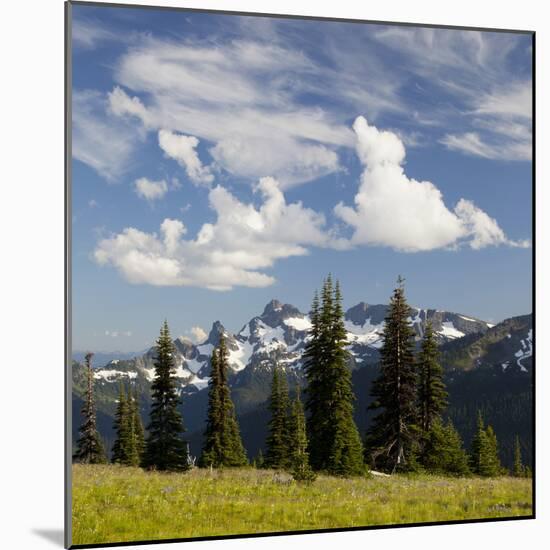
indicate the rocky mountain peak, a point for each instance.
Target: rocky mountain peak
{"x":215,"y":332}
{"x":276,"y":312}
{"x":362,"y":312}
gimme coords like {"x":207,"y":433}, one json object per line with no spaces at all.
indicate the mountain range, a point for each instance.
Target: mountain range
{"x":487,"y":367}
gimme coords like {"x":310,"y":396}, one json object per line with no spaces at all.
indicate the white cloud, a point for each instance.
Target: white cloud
{"x":150,"y":190}
{"x":117,"y":333}
{"x":99,"y":139}
{"x":233,"y":98}
{"x":236,"y":250}
{"x":471,"y":143}
{"x":121,"y":104}
{"x":88,"y":34}
{"x":394,"y":210}
{"x":198,"y":334}
{"x":92,"y":203}
{"x":483,"y":229}
{"x":183,"y":149}
{"x":505,"y":117}
{"x":472,"y":69}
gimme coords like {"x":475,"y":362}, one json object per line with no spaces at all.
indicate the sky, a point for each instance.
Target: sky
{"x":220,"y":161}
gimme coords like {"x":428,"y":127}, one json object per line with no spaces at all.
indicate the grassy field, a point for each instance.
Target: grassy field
{"x":112,"y":503}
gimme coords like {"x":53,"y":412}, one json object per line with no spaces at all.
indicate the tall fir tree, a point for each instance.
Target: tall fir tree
{"x":334,"y":441}
{"x":136,"y":439}
{"x":314,"y":365}
{"x":139,"y":432}
{"x":165,"y":448}
{"x":346,"y":450}
{"x":392,"y":438}
{"x":222,"y":442}
{"x":89,"y":447}
{"x":121,"y":428}
{"x":297,"y":442}
{"x":432,"y":394}
{"x":518,"y":469}
{"x":212,"y":448}
{"x":484,"y":459}
{"x":277,"y":444}
{"x":234,"y":452}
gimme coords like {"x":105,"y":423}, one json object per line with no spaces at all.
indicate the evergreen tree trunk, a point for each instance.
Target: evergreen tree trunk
{"x":90,"y":448}
{"x":165,"y":448}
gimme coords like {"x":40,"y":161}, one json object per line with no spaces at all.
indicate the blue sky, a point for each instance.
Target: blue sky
{"x":220,"y":161}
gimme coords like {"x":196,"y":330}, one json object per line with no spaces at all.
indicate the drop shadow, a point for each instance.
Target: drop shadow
{"x":56,"y":536}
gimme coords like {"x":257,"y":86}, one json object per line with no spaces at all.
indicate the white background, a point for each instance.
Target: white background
{"x":31,"y":273}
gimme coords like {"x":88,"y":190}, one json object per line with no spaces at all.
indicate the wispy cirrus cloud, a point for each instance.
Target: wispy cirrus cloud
{"x":489,"y":105}
{"x":99,"y":139}
{"x":279,"y":102}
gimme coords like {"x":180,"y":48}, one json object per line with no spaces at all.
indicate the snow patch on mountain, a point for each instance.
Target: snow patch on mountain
{"x":199,"y":383}
{"x":299,"y":323}
{"x":367,"y":334}
{"x":450,"y":331}
{"x":194,"y":366}
{"x":110,"y":375}
{"x":238,"y":359}
{"x":525,"y":351}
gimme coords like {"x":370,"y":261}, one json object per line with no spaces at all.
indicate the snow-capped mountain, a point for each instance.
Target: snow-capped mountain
{"x":278,"y":336}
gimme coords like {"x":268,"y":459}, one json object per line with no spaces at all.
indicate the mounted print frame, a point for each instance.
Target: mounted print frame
{"x":299,"y":274}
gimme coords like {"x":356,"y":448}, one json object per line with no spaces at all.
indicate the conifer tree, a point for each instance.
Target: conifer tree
{"x":277,"y":453}
{"x":234,"y":453}
{"x":165,"y":448}
{"x":346,"y":450}
{"x":484,"y":459}
{"x":334,"y":442}
{"x":518,"y":469}
{"x":432,"y":395}
{"x":90,"y":448}
{"x":494,"y":467}
{"x":443,"y":452}
{"x":212,"y":448}
{"x":136,"y":437}
{"x":392,"y":438}
{"x":121,"y":427}
{"x":259,"y":460}
{"x":314,"y":364}
{"x":138,"y":428}
{"x":222,"y":443}
{"x":297,"y":438}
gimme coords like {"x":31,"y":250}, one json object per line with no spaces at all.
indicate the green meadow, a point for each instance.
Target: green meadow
{"x":114,"y":503}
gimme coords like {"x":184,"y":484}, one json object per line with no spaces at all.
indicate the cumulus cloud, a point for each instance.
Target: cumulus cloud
{"x":394,"y":210}
{"x":182,"y":148}
{"x":150,"y":190}
{"x":236,"y":250}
